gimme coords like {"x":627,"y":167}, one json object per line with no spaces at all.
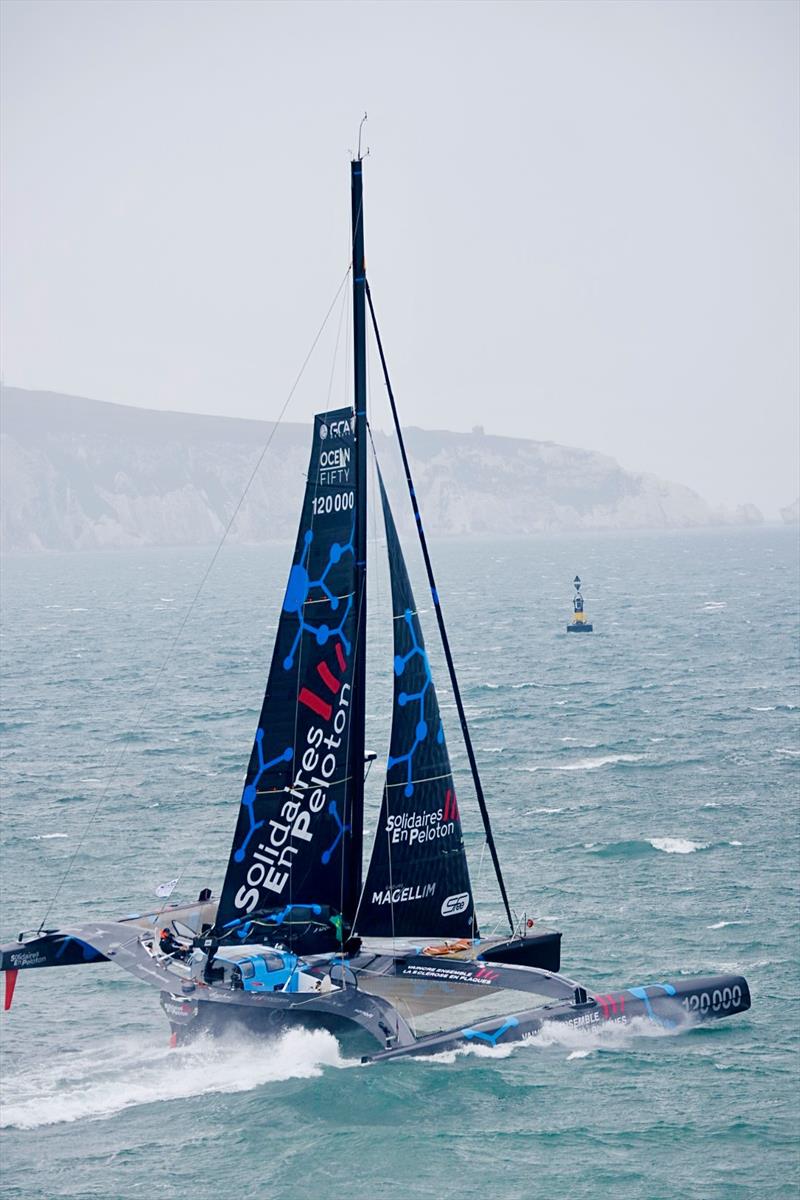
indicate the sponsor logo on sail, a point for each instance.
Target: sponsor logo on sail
{"x":307,"y":795}
{"x":418,"y":827}
{"x":334,"y":466}
{"x":454,"y":905}
{"x":401,"y":895}
{"x":342,"y":428}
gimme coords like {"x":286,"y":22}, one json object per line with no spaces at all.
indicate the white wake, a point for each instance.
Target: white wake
{"x":577,"y":1043}
{"x":98,"y":1083}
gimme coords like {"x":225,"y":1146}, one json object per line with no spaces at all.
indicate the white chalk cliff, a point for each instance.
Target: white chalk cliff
{"x":83,"y":474}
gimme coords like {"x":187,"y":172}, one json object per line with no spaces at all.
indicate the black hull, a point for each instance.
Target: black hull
{"x":671,"y":1006}
{"x":540,"y":949}
{"x":192,"y":1019}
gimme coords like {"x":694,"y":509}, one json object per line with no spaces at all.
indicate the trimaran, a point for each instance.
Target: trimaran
{"x":299,"y":934}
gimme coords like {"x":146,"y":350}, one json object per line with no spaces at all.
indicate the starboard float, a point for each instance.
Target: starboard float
{"x":301,"y":934}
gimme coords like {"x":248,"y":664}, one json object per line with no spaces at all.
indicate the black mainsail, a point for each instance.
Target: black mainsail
{"x":298,"y":834}
{"x":418,"y":880}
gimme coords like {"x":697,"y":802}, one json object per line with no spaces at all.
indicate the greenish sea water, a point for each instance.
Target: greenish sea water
{"x":643,"y":783}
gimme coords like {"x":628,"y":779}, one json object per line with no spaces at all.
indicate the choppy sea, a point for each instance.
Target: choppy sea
{"x":643,"y":782}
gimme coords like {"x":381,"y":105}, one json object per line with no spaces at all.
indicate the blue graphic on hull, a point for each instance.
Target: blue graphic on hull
{"x":299,"y":588}
{"x":641,"y":994}
{"x":494,"y":1036}
{"x":421,"y":729}
{"x":249,"y":794}
{"x":89,"y":952}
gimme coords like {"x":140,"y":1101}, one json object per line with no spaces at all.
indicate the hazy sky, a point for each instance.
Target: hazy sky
{"x":581,"y":218}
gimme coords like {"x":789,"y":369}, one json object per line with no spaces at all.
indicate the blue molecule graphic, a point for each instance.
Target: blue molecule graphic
{"x":298,"y":591}
{"x":421,"y":730}
{"x":249,"y":794}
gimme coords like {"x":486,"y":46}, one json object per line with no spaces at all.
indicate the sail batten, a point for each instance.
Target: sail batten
{"x":418,"y":881}
{"x":294,"y":840}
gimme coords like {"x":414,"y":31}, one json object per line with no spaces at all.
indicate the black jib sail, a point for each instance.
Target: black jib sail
{"x":418,"y":880}
{"x":294,"y":837}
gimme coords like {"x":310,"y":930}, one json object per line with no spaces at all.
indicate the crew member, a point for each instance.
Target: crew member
{"x":167,"y":943}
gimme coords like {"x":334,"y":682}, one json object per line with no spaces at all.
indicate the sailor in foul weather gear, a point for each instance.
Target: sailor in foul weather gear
{"x":167,"y":944}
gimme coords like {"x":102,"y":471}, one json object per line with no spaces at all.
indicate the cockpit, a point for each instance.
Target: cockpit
{"x":263,"y":969}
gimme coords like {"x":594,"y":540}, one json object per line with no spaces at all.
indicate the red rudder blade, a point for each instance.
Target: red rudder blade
{"x":11,"y":983}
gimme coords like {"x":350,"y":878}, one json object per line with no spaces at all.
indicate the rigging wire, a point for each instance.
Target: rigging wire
{"x":477,"y":888}
{"x":327,"y":409}
{"x":440,"y":619}
{"x":171,"y":649}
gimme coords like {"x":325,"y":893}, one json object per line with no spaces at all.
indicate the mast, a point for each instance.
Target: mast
{"x":360,"y":407}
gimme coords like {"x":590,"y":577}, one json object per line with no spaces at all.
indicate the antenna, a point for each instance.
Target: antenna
{"x":361,"y":126}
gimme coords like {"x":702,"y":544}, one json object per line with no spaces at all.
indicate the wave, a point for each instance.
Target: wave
{"x":787,"y":752}
{"x":581,"y":1042}
{"x":100,"y":1083}
{"x":635,"y":848}
{"x":723,"y":924}
{"x":676,"y":845}
{"x":534,"y":812}
{"x":590,"y":764}
{"x":44,"y":837}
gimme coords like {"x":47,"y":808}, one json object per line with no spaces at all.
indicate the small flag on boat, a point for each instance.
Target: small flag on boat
{"x":166,"y":889}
